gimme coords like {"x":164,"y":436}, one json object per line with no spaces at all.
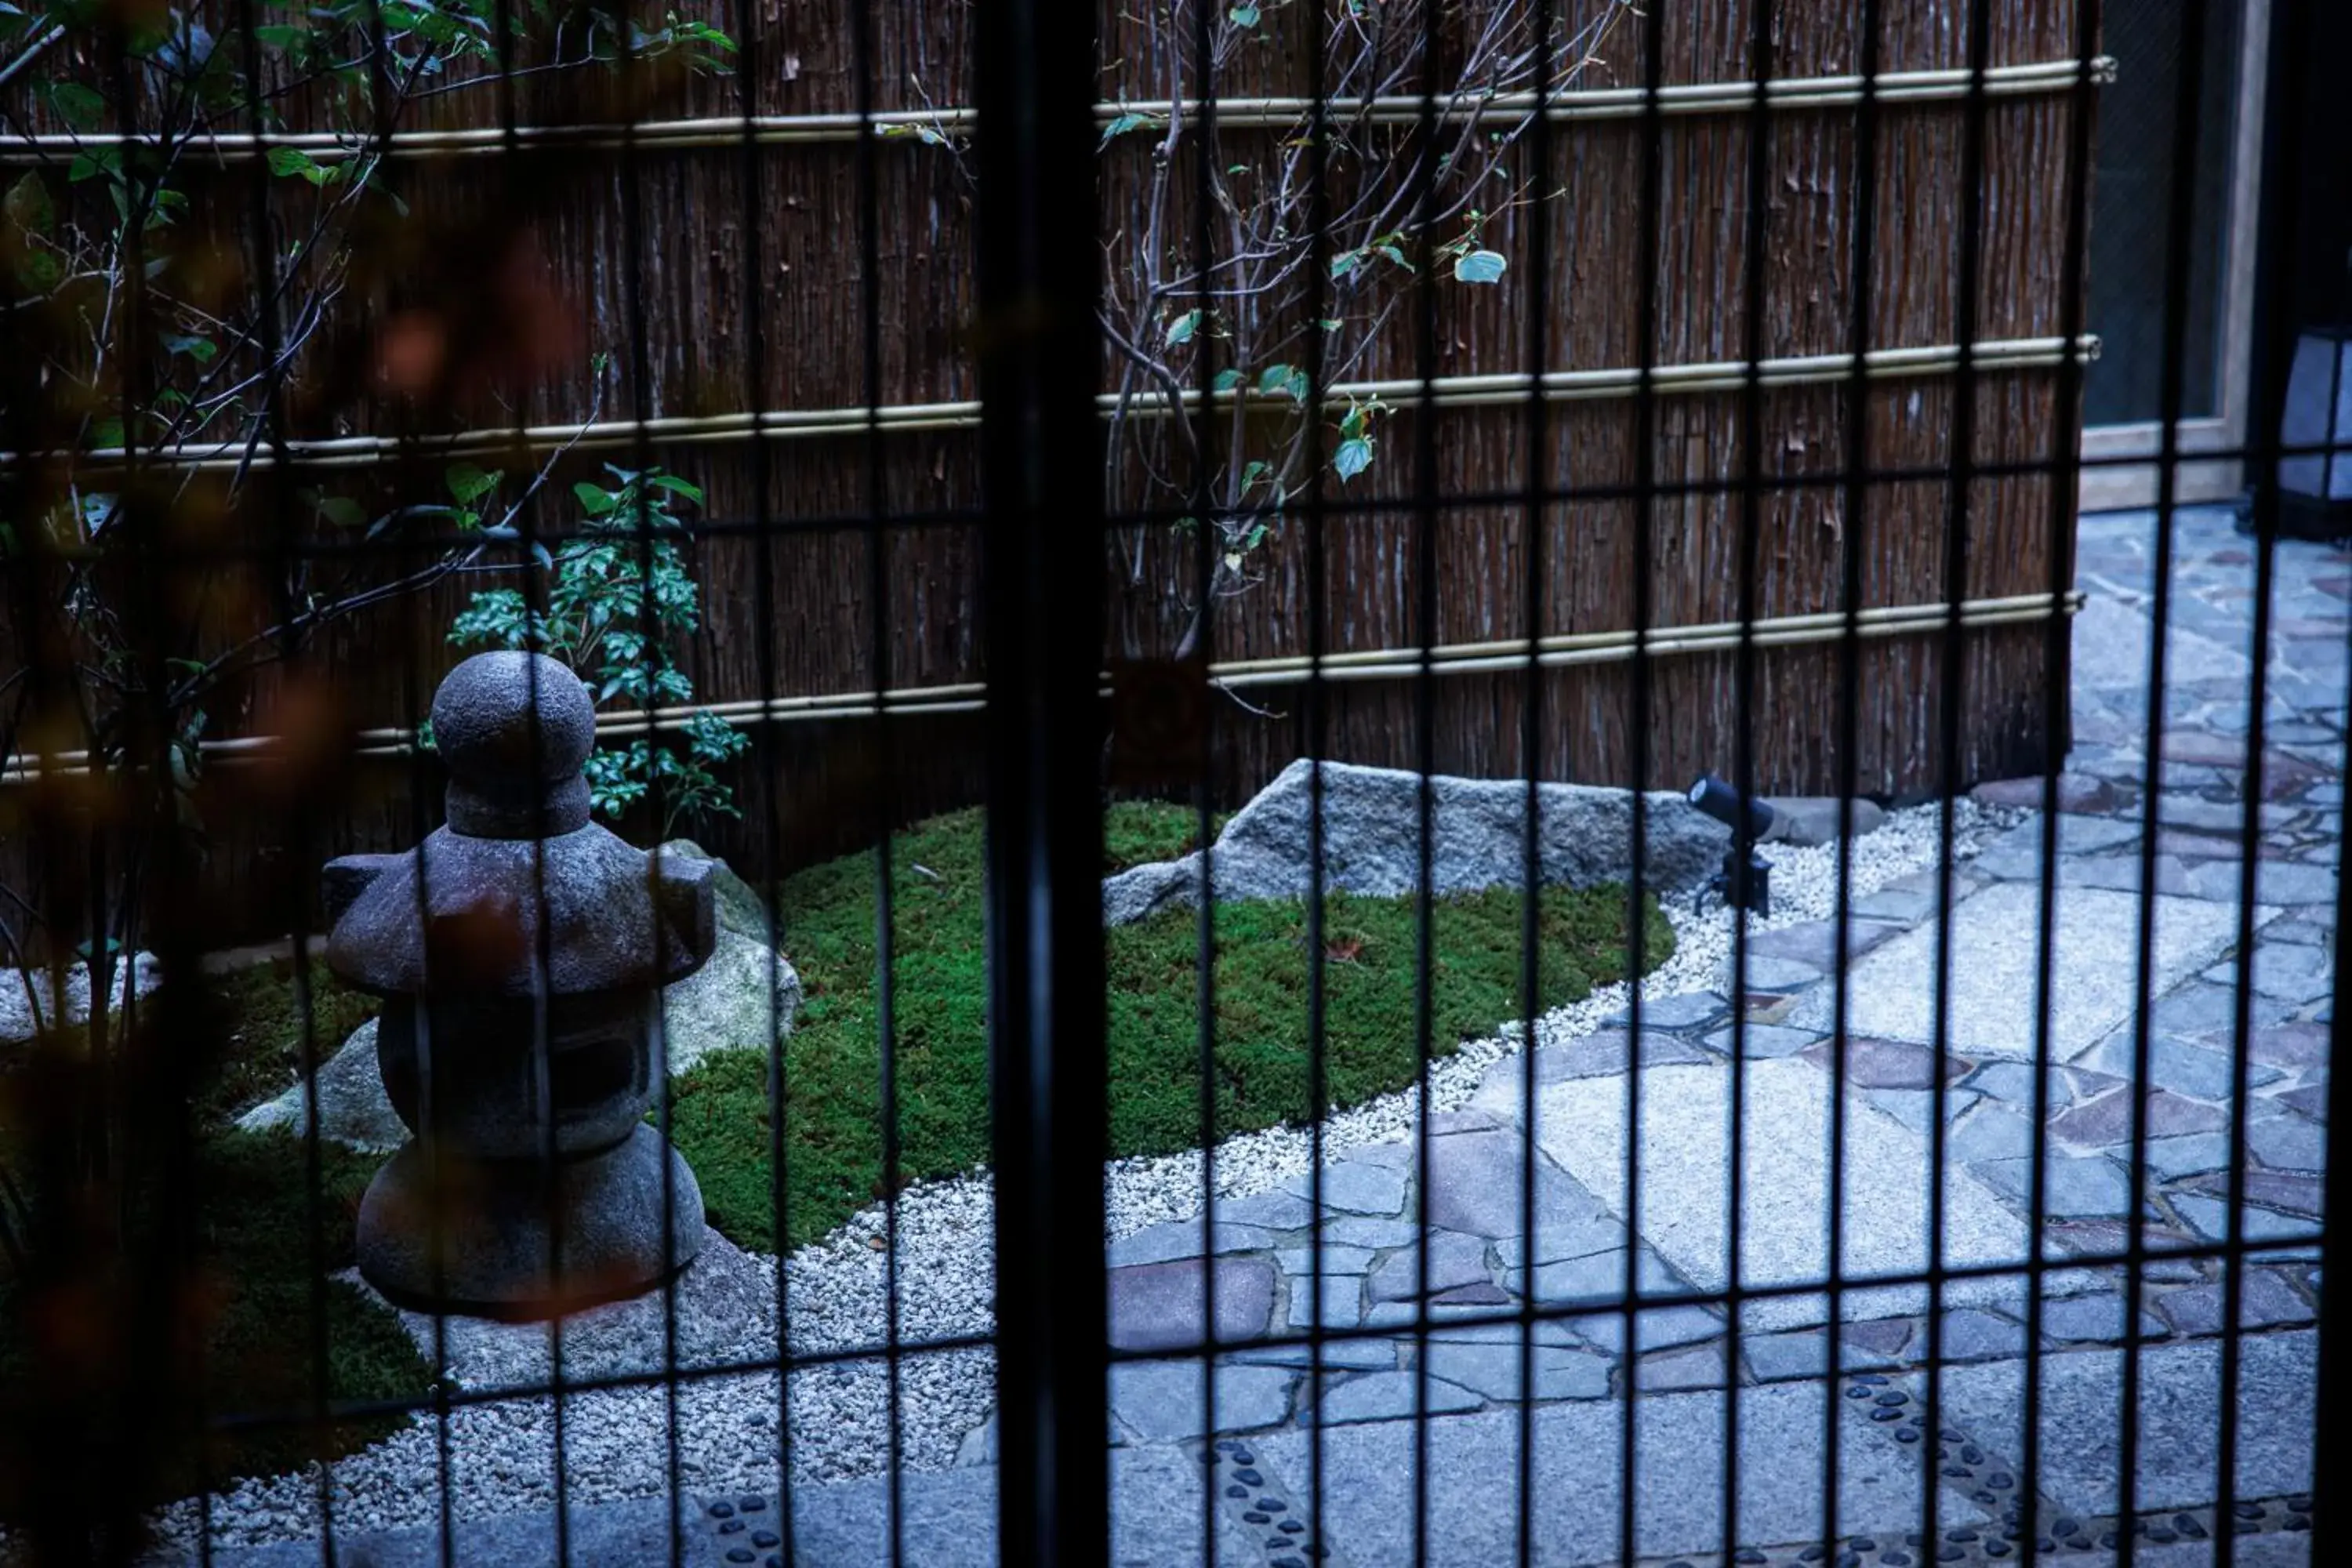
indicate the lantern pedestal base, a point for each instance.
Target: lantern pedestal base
{"x":492,"y":1220}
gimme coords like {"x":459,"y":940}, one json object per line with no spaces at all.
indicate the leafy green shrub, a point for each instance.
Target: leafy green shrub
{"x":615,"y":596}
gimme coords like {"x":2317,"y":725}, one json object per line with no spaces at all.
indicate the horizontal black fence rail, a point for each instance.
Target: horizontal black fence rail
{"x":1387,"y":1165}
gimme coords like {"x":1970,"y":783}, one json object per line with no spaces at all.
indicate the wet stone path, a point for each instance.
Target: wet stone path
{"x":1429,"y":1249}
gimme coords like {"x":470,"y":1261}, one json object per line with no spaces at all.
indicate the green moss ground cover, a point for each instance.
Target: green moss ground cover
{"x":833,"y":1140}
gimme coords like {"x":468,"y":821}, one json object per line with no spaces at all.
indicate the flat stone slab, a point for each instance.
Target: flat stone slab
{"x":1784,"y":1231}
{"x":2180,"y":1419}
{"x":1992,"y":994}
{"x":1367,"y":1509}
{"x":1162,"y":1401}
{"x":1160,"y":1306}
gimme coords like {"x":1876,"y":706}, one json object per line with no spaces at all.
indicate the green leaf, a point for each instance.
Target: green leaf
{"x":341,"y":510}
{"x":28,"y":206}
{"x":39,"y":272}
{"x":1122,"y":125}
{"x":676,"y":485}
{"x":1346,"y":262}
{"x":598,"y":500}
{"x":469,"y":484}
{"x":1394,"y":254}
{"x":917,"y":132}
{"x":1479,"y":267}
{"x":1180,"y":330}
{"x":293,"y":161}
{"x":203,"y":350}
{"x":95,"y":162}
{"x":1243,"y":16}
{"x":290,"y":40}
{"x":1281,"y":378}
{"x":1352,"y":457}
{"x":1227,"y":379}
{"x":1332,"y":325}
{"x":78,"y":106}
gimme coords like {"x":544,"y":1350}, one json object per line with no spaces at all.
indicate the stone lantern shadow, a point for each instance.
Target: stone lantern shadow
{"x":520,"y":952}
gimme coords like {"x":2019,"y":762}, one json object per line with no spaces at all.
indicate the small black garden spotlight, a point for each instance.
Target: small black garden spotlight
{"x":1746,"y":881}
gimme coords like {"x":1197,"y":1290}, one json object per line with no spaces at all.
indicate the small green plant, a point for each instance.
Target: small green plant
{"x":616,"y":594}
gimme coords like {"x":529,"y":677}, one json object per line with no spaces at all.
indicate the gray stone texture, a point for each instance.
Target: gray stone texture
{"x":1162,"y":1401}
{"x":353,"y":1109}
{"x":2181,"y":1413}
{"x":30,"y":1000}
{"x":1453,"y":1260}
{"x":724,"y":1305}
{"x":1574,"y":1466}
{"x":1353,"y":1187}
{"x":1684,"y":1197}
{"x":1388,"y":1397}
{"x":1160,"y":1306}
{"x":1821,"y":820}
{"x":1493,"y":1369}
{"x":1371,"y":840}
{"x":1992,"y":994}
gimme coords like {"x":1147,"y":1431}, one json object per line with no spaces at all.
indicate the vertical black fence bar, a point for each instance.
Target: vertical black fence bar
{"x":767,"y":741}
{"x":877,"y":592}
{"x":536,"y":590}
{"x":1205,"y":552}
{"x":2066,"y":489}
{"x":1647,"y":229}
{"x":1535,"y":532}
{"x":1756,"y":295}
{"x":1424,"y":516}
{"x":1039,"y":364}
{"x":643,"y":395}
{"x":1960,"y":500}
{"x":1318,"y":723}
{"x":2172,"y":396}
{"x":1855,"y":497}
{"x":2185,"y":143}
{"x":262,"y":255}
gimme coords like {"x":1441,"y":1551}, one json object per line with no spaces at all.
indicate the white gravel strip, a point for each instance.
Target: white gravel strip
{"x":617,"y":1443}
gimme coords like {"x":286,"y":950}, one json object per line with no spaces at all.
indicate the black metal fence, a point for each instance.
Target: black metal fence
{"x":2089,"y":1321}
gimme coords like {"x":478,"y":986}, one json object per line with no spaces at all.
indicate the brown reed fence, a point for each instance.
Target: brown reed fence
{"x":637,"y":241}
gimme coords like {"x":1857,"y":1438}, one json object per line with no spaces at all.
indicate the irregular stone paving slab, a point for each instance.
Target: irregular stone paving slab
{"x":1367,"y":1509}
{"x":1161,"y":1401}
{"x":1476,"y":1184}
{"x":1354,"y":1187}
{"x":1453,"y":1260}
{"x":1158,"y":1306}
{"x":1992,"y":994}
{"x":2016,"y":855}
{"x":2181,"y":1418}
{"x":1493,"y":1369}
{"x":1683,"y":1195}
{"x":1182,"y":1238}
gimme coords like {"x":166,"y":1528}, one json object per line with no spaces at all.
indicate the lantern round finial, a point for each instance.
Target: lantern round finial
{"x":514,"y":730}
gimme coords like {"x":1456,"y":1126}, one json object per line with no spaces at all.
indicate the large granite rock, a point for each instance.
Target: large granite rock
{"x":1371,"y":840}
{"x":353,"y":1109}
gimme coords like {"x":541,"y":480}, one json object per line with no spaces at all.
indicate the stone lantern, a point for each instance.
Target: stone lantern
{"x":533,"y":1185}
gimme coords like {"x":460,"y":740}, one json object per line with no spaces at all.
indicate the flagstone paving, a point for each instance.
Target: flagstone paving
{"x":1426,"y":1275}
